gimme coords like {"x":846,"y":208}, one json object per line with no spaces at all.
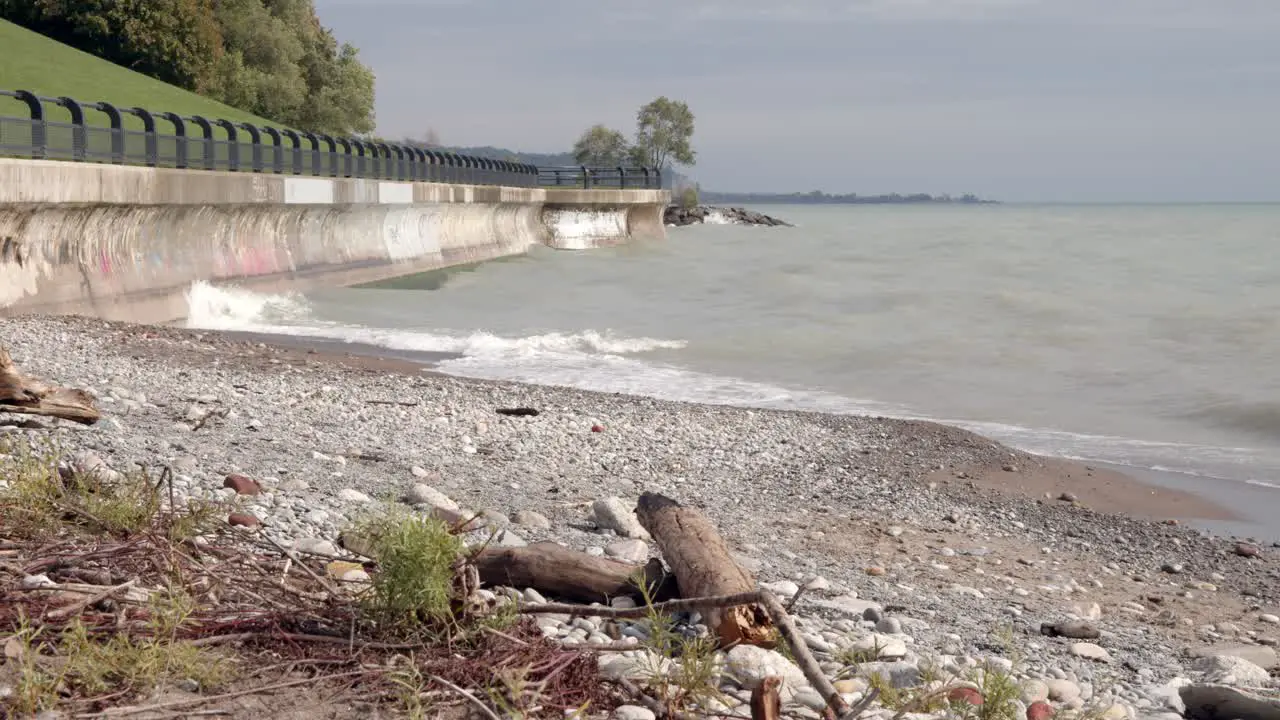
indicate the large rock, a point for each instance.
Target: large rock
{"x":423,"y":494}
{"x":1260,"y":655}
{"x":1222,"y":702}
{"x":1231,"y":670}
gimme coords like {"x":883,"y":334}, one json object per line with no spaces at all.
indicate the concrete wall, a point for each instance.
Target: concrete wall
{"x":126,"y":242}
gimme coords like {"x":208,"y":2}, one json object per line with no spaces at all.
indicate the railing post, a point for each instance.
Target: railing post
{"x":389,"y":170}
{"x":348,"y":160}
{"x":79,"y":134}
{"x":149,"y":134}
{"x":179,"y":138}
{"x":39,"y":136}
{"x":117,"y":129}
{"x":622,"y":178}
{"x":417,"y":163}
{"x":332,"y":146}
{"x":436,"y":171}
{"x":295,"y":151}
{"x":233,"y":143}
{"x":255,"y":149}
{"x":277,"y":150}
{"x":586,"y":177}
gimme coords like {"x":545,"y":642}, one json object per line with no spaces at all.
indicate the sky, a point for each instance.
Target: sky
{"x":1018,"y":100}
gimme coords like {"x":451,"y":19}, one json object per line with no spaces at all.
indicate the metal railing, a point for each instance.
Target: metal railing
{"x":625,"y":178}
{"x":199,"y":143}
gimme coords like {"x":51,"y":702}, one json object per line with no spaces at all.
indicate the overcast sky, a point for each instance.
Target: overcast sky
{"x":1059,"y":100}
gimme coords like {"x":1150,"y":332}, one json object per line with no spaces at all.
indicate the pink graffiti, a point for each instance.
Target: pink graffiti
{"x":248,"y":261}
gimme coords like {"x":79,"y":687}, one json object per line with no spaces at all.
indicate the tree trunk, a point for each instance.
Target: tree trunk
{"x":571,"y":575}
{"x":703,"y":567}
{"x":27,"y":396}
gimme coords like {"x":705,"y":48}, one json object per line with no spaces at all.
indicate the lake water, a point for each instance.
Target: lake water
{"x":1141,"y":335}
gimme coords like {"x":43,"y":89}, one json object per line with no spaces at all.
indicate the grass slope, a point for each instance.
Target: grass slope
{"x":30,"y":61}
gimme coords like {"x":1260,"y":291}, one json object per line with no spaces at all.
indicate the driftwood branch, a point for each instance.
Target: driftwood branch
{"x":703,"y":566}
{"x":24,"y":395}
{"x":556,"y":570}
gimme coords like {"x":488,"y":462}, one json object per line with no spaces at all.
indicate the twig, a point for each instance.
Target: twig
{"x":300,"y":637}
{"x":796,"y":598}
{"x":323,"y":583}
{"x":402,"y":403}
{"x":476,"y":701}
{"x":800,"y":651}
{"x":862,"y":705}
{"x":499,"y":633}
{"x":716,"y":601}
{"x":79,"y":605}
{"x":649,"y":702}
{"x":113,"y":712}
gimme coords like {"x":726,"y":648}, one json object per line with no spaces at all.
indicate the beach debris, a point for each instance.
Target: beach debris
{"x":1076,"y":629}
{"x":1205,"y":701}
{"x":24,"y":395}
{"x":571,"y":574}
{"x":703,"y":566}
{"x":597,"y":428}
{"x":519,"y":412}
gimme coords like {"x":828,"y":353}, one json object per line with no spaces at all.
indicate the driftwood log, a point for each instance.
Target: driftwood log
{"x":569,"y":574}
{"x":25,"y":395}
{"x":703,"y":566}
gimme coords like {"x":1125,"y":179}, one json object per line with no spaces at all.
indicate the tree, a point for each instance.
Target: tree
{"x":664,"y":131}
{"x":600,"y":146}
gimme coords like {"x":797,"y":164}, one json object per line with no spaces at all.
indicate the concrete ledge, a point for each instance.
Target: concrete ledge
{"x":126,"y":243}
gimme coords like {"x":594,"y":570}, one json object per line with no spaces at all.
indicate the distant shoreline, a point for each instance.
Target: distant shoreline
{"x":715,"y":198}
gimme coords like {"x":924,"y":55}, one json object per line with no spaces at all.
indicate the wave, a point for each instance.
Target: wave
{"x":607,"y":362}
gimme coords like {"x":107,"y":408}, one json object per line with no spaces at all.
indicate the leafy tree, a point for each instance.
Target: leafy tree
{"x":600,"y":146}
{"x":664,"y":132}
{"x":269,"y":57}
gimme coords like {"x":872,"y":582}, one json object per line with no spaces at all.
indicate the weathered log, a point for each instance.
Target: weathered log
{"x":25,"y":395}
{"x":569,"y":574}
{"x":703,"y":566}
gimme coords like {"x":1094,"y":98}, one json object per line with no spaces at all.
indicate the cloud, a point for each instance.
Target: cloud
{"x":1032,"y":99}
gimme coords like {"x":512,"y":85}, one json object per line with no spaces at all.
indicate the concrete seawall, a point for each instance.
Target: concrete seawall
{"x":125,"y":243}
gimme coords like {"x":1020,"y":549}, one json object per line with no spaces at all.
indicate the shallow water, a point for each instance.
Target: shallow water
{"x":1139,"y":335}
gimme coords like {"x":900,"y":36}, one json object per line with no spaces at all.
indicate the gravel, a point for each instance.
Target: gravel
{"x":838,"y":505}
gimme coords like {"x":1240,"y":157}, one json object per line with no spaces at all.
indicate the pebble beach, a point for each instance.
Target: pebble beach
{"x":929,"y":545}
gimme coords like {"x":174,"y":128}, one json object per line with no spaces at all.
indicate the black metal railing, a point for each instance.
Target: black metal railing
{"x":167,"y":139}
{"x":625,"y":178}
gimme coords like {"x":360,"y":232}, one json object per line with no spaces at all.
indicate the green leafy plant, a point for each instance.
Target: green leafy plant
{"x":417,"y":557}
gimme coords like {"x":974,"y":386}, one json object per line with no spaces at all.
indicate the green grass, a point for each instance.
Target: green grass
{"x":31,"y":61}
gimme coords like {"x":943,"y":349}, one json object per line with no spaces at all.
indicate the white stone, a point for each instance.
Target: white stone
{"x":1034,"y":691}
{"x":885,"y":647}
{"x":633,"y":551}
{"x":316,"y":546}
{"x":420,"y":473}
{"x":1273,"y":619}
{"x":614,"y":514}
{"x":750,"y":665}
{"x":506,"y":538}
{"x":633,"y":712}
{"x":644,"y":664}
{"x":423,"y":494}
{"x":350,"y":495}
{"x":784,"y":589}
{"x":1061,"y":690}
{"x":1090,"y":651}
{"x":31,"y":582}
{"x":531,"y":519}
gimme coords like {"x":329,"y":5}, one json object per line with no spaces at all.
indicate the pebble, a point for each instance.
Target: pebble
{"x":632,"y":551}
{"x":423,"y":494}
{"x":613,"y":514}
{"x":633,"y":712}
{"x":355,"y":496}
{"x":531,"y":519}
{"x":1090,"y":651}
{"x":1273,"y":619}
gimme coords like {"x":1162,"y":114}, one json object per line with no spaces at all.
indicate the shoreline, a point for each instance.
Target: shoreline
{"x":1135,"y":492}
{"x":898,"y":515}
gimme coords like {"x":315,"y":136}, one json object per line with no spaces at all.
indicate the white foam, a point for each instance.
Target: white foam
{"x":231,"y":308}
{"x":605,"y":361}
{"x":716,"y":217}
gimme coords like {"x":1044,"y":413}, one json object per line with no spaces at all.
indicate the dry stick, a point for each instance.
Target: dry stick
{"x":800,"y":651}
{"x":637,"y":612}
{"x":796,"y":598}
{"x":299,"y":637}
{"x":644,"y":699}
{"x":79,"y":605}
{"x":484,"y":708}
{"x":323,"y":583}
{"x":113,"y":712}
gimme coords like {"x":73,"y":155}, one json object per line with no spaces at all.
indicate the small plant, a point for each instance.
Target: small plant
{"x":687,"y":671}
{"x":417,"y":557}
